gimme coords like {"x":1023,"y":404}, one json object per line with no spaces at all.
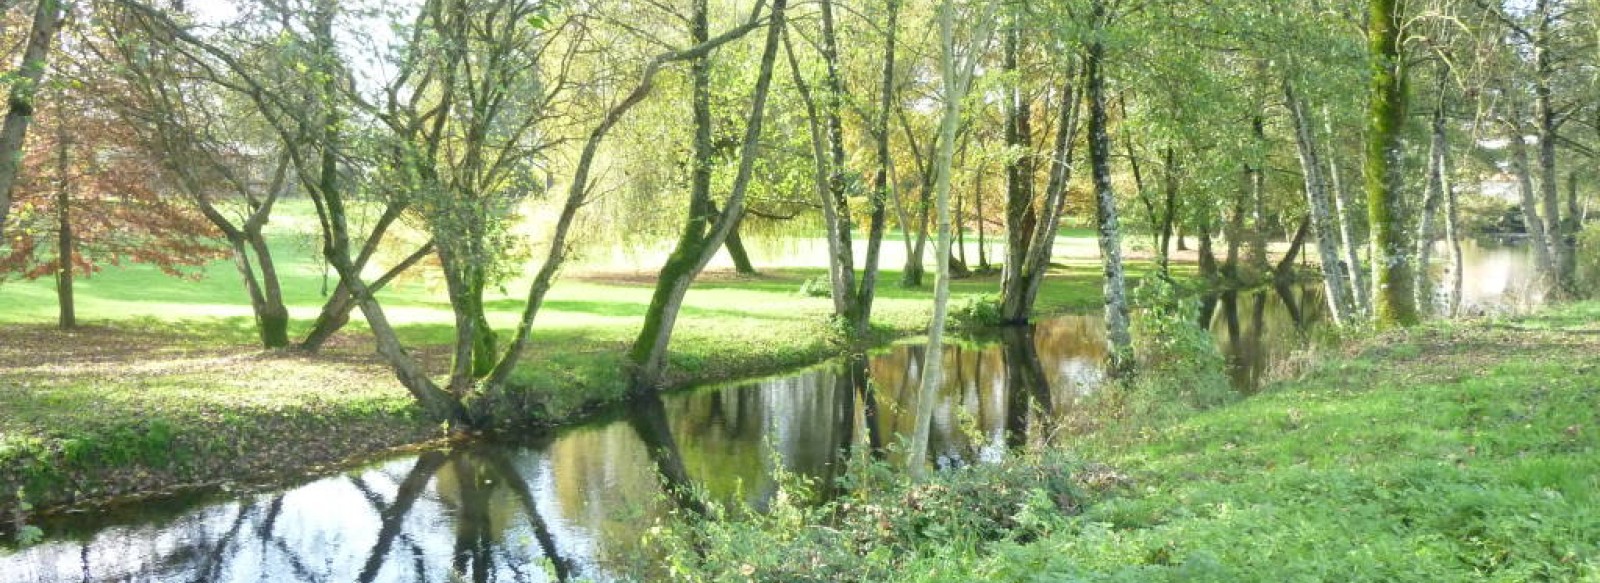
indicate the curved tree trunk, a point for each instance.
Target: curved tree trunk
{"x":1347,"y":218}
{"x":702,"y":234}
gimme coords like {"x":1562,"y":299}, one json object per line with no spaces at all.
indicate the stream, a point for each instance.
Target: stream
{"x":576,"y":504}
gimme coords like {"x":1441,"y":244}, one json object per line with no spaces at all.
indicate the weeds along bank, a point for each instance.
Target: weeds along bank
{"x":1452,"y":452}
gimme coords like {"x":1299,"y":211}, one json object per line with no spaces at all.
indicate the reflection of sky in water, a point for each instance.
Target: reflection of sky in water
{"x":594,"y":489}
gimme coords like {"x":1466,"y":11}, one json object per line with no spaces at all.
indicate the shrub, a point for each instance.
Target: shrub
{"x":879,"y":526}
{"x":979,"y":311}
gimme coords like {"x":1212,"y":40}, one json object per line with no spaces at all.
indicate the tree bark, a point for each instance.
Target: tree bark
{"x":882,"y":188}
{"x":1538,"y":238}
{"x":67,"y":315}
{"x":1016,"y":307}
{"x":1433,"y":198}
{"x":1021,"y":217}
{"x":47,"y":17}
{"x":1347,"y":218}
{"x":1341,"y":301}
{"x":1116,"y":312}
{"x":1394,"y":302}
{"x":1258,"y":199}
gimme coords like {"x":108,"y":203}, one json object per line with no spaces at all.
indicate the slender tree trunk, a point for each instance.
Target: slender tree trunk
{"x":737,"y":252}
{"x":1116,"y":313}
{"x":336,"y":311}
{"x":1538,"y":238}
{"x":1258,"y":199}
{"x":957,"y":78}
{"x":1341,"y":301}
{"x":1208,"y":257}
{"x":702,"y":236}
{"x":47,"y":17}
{"x":67,"y":311}
{"x":882,"y":188}
{"x":1452,"y":233}
{"x":1169,"y":213}
{"x":1433,"y":198}
{"x":983,"y":235}
{"x":1549,"y":126}
{"x":1347,"y":219}
{"x":1285,"y":268}
{"x":1394,"y":302}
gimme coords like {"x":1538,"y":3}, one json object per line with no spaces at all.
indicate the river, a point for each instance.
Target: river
{"x":576,"y":504}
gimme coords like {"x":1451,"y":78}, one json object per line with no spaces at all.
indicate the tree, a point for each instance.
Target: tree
{"x":956,"y":70}
{"x":1110,"y":235}
{"x":93,"y":195}
{"x":1393,"y":262}
{"x":703,"y":231}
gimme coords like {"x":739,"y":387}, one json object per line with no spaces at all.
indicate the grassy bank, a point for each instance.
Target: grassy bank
{"x":1454,"y":452}
{"x":163,"y":385}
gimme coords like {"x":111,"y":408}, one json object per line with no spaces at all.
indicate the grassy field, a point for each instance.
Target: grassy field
{"x":1452,"y":452}
{"x":163,"y":383}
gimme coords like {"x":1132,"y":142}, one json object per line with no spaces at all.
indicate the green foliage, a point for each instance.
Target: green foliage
{"x":1179,"y":367}
{"x":977,"y":311}
{"x":878,"y":526}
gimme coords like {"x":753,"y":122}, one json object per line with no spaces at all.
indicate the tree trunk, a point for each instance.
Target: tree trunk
{"x":336,"y":311}
{"x":67,"y":313}
{"x":1169,"y":213}
{"x":736,"y":251}
{"x":1538,"y":238}
{"x":1433,"y":198}
{"x":1347,"y":218}
{"x":1285,"y":269}
{"x":1561,"y":247}
{"x":1021,"y":218}
{"x":1258,"y":199}
{"x":1017,"y":307}
{"x":1116,"y":313}
{"x":957,"y":78}
{"x":1452,"y":233}
{"x":1394,"y":302}
{"x":47,"y":17}
{"x":882,"y":189}
{"x":702,"y":235}
{"x":1340,"y":301}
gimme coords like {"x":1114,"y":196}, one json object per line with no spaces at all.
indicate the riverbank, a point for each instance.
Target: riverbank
{"x":141,"y":406}
{"x":1453,"y":451}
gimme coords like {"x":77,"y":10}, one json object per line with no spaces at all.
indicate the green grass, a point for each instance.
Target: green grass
{"x":1452,"y":452}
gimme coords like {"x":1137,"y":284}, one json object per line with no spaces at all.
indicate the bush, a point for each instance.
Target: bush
{"x":1179,"y":364}
{"x":979,"y":311}
{"x":879,"y":526}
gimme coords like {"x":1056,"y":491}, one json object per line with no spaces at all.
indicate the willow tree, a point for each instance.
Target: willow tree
{"x":705,"y":228}
{"x":1393,"y":263}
